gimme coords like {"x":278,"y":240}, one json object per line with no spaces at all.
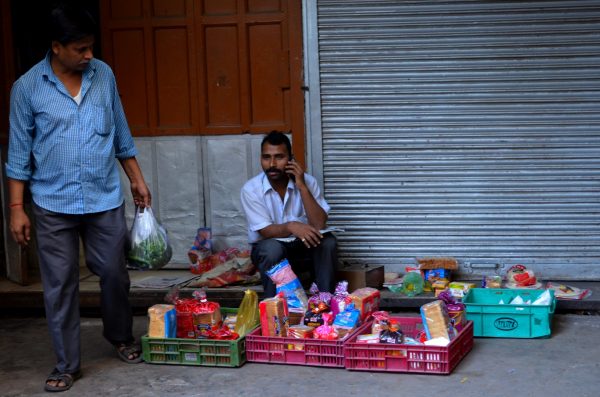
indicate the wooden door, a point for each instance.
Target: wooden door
{"x":207,"y":67}
{"x":150,"y":45}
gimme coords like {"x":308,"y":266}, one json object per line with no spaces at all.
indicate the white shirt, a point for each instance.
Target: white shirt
{"x":263,"y":205}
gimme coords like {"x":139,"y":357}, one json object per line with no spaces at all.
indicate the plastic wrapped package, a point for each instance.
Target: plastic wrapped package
{"x":162,"y":321}
{"x":287,"y":282}
{"x":197,"y":317}
{"x":326,"y":331}
{"x":318,"y":299}
{"x":299,"y":332}
{"x":518,"y":276}
{"x":248,"y":315}
{"x":436,"y":321}
{"x":274,"y":316}
{"x":229,"y":321}
{"x":340,"y":298}
{"x":381,"y":322}
{"x":318,"y":304}
{"x":202,"y":247}
{"x":392,"y":334}
{"x":348,"y":319}
{"x":412,"y":284}
{"x":230,"y":266}
{"x":455,"y":308}
{"x":366,"y":300}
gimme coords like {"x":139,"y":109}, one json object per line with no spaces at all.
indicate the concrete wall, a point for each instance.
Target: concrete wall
{"x":195,"y":182}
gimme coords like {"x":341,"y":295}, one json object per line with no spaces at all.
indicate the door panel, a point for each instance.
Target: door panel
{"x":124,"y":9}
{"x":150,"y":45}
{"x":222,"y":78}
{"x":173,"y":91}
{"x":133,"y":89}
{"x":215,"y":8}
{"x":169,"y":8}
{"x":258,"y":6}
{"x":267,"y":105}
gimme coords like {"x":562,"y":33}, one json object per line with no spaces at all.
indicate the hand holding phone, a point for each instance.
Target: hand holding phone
{"x":291,"y":175}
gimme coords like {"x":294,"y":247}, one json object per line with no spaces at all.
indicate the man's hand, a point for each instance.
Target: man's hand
{"x":139,"y":190}
{"x":293,"y":168}
{"x":141,"y":195}
{"x":20,"y":226}
{"x":310,"y":236}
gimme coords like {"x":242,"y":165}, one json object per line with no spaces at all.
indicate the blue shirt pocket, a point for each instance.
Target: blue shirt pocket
{"x":100,"y":119}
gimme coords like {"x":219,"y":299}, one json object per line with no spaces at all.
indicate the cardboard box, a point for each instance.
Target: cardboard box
{"x":437,"y":263}
{"x":460,"y":289}
{"x":361,"y":276}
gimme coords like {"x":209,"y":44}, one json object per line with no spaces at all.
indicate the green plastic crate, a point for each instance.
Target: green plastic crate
{"x":205,"y":352}
{"x":492,"y":319}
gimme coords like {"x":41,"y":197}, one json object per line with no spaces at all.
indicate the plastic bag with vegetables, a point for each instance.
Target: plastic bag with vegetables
{"x":150,"y":248}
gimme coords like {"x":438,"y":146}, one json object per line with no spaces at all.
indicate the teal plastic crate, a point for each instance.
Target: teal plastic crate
{"x":492,"y":319}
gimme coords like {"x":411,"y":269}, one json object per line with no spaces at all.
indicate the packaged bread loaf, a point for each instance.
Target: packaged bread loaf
{"x":162,"y":321}
{"x":299,"y":332}
{"x":274,"y":316}
{"x":435,"y":320}
{"x":366,"y":300}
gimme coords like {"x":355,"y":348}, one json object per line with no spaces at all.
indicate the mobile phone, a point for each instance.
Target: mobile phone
{"x":292,"y":176}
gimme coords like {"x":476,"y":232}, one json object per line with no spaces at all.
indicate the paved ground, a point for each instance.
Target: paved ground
{"x":564,"y":365}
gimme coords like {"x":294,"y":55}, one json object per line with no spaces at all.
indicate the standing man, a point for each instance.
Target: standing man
{"x":67,"y":126}
{"x":284,"y":201}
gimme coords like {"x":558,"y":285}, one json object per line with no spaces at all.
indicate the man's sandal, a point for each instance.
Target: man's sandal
{"x":130,"y":353}
{"x":66,"y":379}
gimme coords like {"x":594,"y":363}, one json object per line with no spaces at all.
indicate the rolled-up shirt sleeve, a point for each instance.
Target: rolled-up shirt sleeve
{"x":124,"y":144}
{"x":22,"y":127}
{"x":313,"y":186}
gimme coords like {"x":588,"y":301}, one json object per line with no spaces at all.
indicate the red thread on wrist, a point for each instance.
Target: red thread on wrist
{"x":15,"y":205}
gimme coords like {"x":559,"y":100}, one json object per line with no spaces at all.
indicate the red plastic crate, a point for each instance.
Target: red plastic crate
{"x":304,"y":351}
{"x":407,"y":358}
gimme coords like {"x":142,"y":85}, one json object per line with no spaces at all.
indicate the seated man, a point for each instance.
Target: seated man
{"x":284,"y":202}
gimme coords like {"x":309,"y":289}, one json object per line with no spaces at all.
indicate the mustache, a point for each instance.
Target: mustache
{"x":274,"y":170}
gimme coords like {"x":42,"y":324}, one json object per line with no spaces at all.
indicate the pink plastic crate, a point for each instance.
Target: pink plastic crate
{"x":278,"y":350}
{"x":407,"y":358}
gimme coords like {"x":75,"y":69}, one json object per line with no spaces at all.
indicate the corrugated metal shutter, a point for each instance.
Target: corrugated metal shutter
{"x":464,"y":128}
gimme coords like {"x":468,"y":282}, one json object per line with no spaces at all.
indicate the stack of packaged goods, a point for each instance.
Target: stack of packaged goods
{"x":195,"y":331}
{"x":197,"y":318}
{"x":321,"y":325}
{"x":434,"y":343}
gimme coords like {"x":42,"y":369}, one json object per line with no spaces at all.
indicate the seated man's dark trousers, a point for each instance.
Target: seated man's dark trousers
{"x":323,"y":260}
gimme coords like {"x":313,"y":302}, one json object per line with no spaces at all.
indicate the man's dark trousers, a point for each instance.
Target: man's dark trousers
{"x":103,"y":235}
{"x":323,"y":260}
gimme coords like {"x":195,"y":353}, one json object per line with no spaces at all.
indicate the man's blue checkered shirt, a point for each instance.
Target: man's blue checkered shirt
{"x":67,"y":151}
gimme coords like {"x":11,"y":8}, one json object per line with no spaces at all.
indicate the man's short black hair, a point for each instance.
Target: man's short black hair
{"x":276,"y":138}
{"x":69,"y":22}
